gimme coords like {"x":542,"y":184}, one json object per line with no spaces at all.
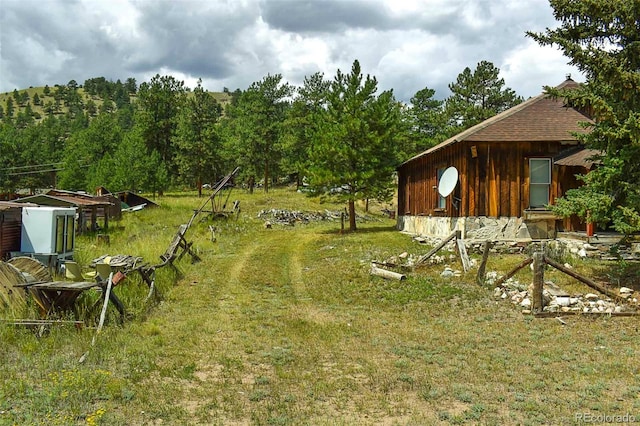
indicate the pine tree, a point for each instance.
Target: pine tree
{"x":602,"y":38}
{"x":354,"y":154}
{"x":478,"y":95}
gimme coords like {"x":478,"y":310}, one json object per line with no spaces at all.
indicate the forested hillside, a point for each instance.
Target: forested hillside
{"x":161,"y":134}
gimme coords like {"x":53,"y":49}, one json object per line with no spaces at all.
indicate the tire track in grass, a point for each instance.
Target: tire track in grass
{"x":232,"y":289}
{"x":296,"y":266}
{"x":240,"y":262}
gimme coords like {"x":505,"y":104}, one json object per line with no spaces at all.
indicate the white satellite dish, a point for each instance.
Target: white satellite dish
{"x":448,"y":181}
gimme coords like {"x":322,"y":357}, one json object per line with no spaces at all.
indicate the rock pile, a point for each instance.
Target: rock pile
{"x":557,"y":301}
{"x":290,"y":217}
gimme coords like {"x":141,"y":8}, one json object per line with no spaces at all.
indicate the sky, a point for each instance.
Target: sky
{"x":406,"y":45}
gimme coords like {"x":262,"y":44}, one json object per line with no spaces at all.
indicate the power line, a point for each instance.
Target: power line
{"x":33,"y":166}
{"x":34,"y":172}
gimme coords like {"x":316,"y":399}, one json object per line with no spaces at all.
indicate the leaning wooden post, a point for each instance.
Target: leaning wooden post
{"x":483,"y":264}
{"x":538,"y":282}
{"x":462,"y":252}
{"x":102,"y":317}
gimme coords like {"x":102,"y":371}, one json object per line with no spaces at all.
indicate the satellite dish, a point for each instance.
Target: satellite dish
{"x":448,"y":181}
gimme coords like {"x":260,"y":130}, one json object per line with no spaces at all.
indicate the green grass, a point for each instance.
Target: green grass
{"x":286,"y":326}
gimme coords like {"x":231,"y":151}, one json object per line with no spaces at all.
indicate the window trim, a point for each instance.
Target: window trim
{"x":538,"y":184}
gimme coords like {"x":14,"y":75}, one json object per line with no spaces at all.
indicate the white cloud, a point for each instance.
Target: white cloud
{"x":407,"y":45}
{"x":547,"y":64}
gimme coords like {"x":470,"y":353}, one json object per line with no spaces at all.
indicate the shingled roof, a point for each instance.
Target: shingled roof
{"x":541,"y":118}
{"x":579,"y":156}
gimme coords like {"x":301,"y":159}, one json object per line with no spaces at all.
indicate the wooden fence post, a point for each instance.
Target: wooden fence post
{"x":483,"y":264}
{"x":537,"y":303}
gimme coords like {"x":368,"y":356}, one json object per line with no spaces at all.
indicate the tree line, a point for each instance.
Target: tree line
{"x":162,"y":134}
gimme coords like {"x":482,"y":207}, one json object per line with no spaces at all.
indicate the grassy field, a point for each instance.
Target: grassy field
{"x":285,"y":326}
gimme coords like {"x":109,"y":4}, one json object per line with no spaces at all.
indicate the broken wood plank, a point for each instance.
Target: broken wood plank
{"x":434,"y":250}
{"x":464,"y":257}
{"x":104,"y":308}
{"x":594,"y":285}
{"x":387,"y":274}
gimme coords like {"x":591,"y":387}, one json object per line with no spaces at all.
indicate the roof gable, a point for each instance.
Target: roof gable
{"x":541,"y":118}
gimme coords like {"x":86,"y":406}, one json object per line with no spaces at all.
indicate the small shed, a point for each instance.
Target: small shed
{"x":115,"y":210}
{"x":511,"y":167}
{"x":10,"y":227}
{"x":89,"y":208}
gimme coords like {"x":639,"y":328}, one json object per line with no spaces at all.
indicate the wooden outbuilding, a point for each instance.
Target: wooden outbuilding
{"x":511,"y":167}
{"x":89,"y":208}
{"x":10,"y":227}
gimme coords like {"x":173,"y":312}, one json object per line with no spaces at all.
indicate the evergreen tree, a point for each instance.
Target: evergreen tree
{"x":85,"y":149}
{"x":131,"y":86}
{"x":9,"y":108}
{"x":159,"y":102}
{"x":602,"y":39}
{"x":256,"y":130}
{"x":353,"y":155}
{"x":426,"y":120}
{"x":107,"y":106}
{"x":303,"y":124}
{"x":8,"y":159}
{"x":91,"y":108}
{"x":24,"y":98}
{"x":198,"y":154}
{"x":478,"y":95}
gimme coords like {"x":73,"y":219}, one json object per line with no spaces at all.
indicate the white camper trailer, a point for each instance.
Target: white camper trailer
{"x":48,"y":233}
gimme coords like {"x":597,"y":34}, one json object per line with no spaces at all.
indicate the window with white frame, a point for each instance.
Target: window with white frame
{"x":539,"y":182}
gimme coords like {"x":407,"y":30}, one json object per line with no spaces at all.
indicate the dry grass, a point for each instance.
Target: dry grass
{"x":286,"y":326}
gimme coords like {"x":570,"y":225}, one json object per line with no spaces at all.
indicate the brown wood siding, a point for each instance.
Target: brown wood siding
{"x":10,"y":231}
{"x":494,"y":183}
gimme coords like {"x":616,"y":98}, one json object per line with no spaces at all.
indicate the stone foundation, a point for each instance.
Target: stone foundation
{"x":479,"y":228}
